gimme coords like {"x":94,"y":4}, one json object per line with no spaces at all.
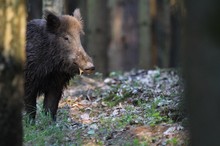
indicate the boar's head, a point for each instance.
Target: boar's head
{"x":66,"y":30}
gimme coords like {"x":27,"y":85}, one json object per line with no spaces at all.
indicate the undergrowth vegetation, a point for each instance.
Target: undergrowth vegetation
{"x":44,"y":131}
{"x":133,"y":108}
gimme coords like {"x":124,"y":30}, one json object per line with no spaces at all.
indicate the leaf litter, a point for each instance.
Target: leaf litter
{"x":140,"y":107}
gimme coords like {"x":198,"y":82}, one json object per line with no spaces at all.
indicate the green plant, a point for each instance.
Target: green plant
{"x":115,"y":74}
{"x":173,"y":141}
{"x":118,"y":93}
{"x":44,"y":131}
{"x":153,"y":115}
{"x":136,"y":142}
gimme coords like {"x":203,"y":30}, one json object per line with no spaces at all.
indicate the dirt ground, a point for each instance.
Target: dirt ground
{"x":133,"y":108}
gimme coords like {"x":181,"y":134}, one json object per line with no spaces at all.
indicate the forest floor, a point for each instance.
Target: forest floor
{"x":136,"y":108}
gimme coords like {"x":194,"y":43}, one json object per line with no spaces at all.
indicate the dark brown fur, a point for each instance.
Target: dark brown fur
{"x":54,"y":55}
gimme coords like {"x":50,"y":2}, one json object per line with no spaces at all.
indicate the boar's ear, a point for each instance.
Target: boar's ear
{"x":77,"y":14}
{"x":53,"y":21}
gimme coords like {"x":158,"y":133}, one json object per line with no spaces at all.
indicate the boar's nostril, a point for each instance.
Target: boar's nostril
{"x":92,"y":68}
{"x":89,"y":68}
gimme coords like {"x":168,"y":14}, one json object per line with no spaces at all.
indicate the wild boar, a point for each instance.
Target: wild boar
{"x":54,"y":54}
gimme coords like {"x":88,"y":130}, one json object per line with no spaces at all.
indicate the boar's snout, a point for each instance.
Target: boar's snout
{"x":84,"y":61}
{"x":92,"y":68}
{"x":89,"y":68}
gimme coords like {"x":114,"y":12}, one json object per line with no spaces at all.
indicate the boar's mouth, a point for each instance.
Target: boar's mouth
{"x":87,"y":70}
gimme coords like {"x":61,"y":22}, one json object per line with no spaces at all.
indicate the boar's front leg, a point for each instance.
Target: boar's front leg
{"x":30,"y":105}
{"x":51,"y":101}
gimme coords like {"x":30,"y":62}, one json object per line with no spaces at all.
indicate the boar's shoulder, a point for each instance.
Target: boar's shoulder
{"x":37,"y":23}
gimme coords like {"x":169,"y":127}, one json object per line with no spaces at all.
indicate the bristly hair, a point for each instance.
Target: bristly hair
{"x":77,"y":15}
{"x":53,"y":21}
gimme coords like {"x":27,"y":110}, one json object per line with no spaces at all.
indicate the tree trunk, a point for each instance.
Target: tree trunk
{"x":98,"y":33}
{"x":12,"y":44}
{"x":71,"y":5}
{"x":131,"y":36}
{"x":145,"y":53}
{"x":57,"y":6}
{"x":115,"y":52}
{"x":175,"y":19}
{"x":123,"y":50}
{"x":84,"y":11}
{"x":202,"y":71}
{"x":154,"y":43}
{"x":34,"y":8}
{"x":163,"y":32}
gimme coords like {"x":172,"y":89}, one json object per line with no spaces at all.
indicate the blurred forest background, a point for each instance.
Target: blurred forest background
{"x":124,"y":34}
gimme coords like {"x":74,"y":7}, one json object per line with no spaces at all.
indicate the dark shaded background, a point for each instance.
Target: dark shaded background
{"x":126,"y":34}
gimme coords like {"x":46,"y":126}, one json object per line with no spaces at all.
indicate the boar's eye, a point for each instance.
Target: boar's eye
{"x":66,"y":38}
